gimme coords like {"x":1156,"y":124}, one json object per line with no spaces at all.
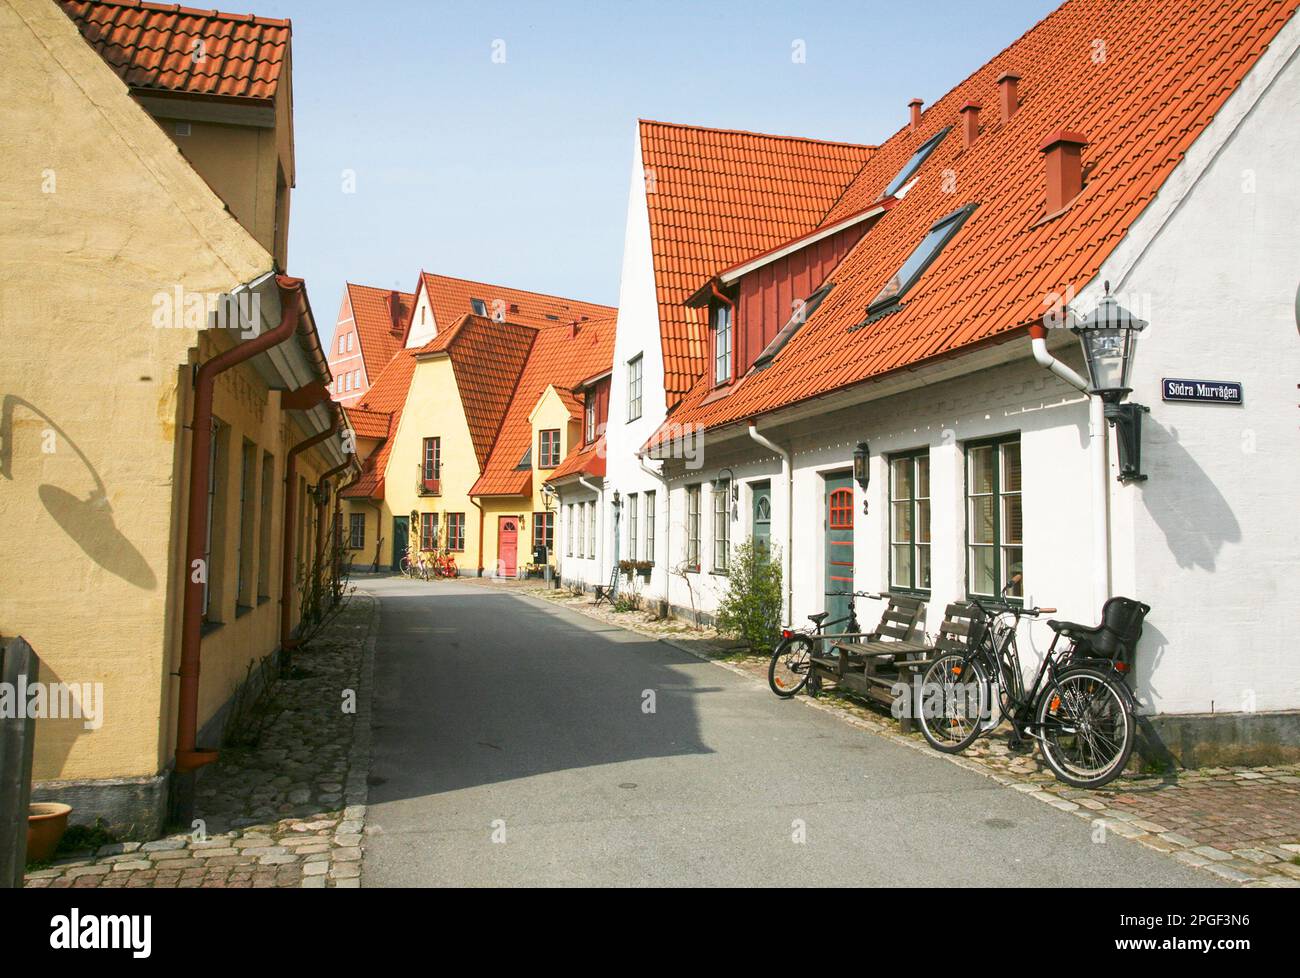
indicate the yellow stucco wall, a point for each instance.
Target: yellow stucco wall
{"x":102,"y":214}
{"x":433,"y":409}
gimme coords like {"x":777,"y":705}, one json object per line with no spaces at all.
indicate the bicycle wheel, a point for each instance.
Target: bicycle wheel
{"x":1087,"y":728}
{"x":787,"y":673}
{"x":953,"y":702}
{"x":405,"y":566}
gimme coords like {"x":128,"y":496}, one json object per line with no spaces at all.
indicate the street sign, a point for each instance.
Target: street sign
{"x":1204,"y":391}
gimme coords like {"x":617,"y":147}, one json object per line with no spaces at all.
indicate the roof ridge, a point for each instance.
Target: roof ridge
{"x":176,"y":8}
{"x":758,"y":135}
{"x":511,"y":288}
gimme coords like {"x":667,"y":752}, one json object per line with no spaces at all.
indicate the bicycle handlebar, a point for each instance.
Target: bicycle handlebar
{"x":995,"y":606}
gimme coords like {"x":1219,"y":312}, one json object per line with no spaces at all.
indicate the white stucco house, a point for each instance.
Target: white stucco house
{"x":910,"y":304}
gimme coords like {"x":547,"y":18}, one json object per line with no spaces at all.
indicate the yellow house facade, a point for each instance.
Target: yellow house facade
{"x":117,"y":262}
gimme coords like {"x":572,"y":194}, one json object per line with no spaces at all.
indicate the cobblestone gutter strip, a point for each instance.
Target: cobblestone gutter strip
{"x":289,"y":812}
{"x":1241,"y":824}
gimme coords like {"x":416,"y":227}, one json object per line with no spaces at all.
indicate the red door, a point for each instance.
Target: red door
{"x":507,"y":546}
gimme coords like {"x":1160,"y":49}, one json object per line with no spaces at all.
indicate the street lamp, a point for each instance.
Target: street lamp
{"x":862,"y":470}
{"x":1108,"y":335}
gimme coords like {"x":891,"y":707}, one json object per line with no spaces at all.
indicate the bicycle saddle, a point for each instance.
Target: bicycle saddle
{"x":820,"y":617}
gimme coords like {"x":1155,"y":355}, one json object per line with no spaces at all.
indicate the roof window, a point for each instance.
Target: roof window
{"x":919,"y":260}
{"x":479,"y":307}
{"x":801,"y":316}
{"x":914,"y":164}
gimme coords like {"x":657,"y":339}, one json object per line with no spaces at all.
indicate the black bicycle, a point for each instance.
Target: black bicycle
{"x":1078,"y":709}
{"x":791,"y":663}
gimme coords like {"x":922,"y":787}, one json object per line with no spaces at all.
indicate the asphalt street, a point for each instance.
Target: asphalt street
{"x":521,"y":744}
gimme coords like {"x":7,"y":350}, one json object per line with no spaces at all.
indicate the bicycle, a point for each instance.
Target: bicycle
{"x":1078,"y":709}
{"x":791,"y":663}
{"x":415,"y":564}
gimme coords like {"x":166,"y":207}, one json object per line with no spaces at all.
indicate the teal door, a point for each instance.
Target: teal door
{"x":401,"y":531}
{"x":839,"y":545}
{"x":761,"y":536}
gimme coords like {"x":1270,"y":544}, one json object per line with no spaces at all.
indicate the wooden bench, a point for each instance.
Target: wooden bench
{"x":874,"y":666}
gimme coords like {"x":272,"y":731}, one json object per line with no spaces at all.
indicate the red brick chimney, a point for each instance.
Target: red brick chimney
{"x":915,"y":106}
{"x":970,"y":116}
{"x":395,"y":311}
{"x":1009,"y":94}
{"x":1063,"y":151}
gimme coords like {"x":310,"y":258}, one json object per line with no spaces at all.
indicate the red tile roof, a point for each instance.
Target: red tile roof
{"x":153,"y":46}
{"x":369,"y":424}
{"x":586,"y":460}
{"x":372,"y":314}
{"x":387,"y":395}
{"x":487,"y":358}
{"x":717,"y":197}
{"x":1169,"y":66}
{"x":557,"y":358}
{"x":451,"y":299}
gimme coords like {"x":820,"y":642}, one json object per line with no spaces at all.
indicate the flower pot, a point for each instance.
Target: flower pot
{"x":46,"y":823}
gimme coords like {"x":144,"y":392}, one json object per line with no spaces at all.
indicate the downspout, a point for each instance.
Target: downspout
{"x":1098,"y":464}
{"x":320,"y":525}
{"x":787,"y":469}
{"x":188,"y":756}
{"x":338,"y":544}
{"x":600,"y":523}
{"x":475,"y":503}
{"x":287,"y":644}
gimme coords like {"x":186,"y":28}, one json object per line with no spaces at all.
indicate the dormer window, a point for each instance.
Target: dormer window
{"x":914,"y":164}
{"x":919,"y":260}
{"x":724,"y":315}
{"x":589,"y":419}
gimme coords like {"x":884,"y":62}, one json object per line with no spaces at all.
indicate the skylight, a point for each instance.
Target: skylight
{"x":914,"y":164}
{"x":479,"y":307}
{"x":919,"y":260}
{"x":789,"y":329}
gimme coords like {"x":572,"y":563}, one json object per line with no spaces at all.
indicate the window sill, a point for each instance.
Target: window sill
{"x":208,"y":627}
{"x":242,"y":609}
{"x":263,"y":599}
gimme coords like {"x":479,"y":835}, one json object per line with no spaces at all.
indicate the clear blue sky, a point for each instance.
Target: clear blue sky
{"x":517,"y":173}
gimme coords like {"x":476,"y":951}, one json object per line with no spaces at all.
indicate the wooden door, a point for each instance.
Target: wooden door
{"x":401,"y":530}
{"x":839,"y":545}
{"x":507,"y":546}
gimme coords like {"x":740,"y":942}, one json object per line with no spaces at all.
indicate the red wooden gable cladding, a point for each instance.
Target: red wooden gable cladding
{"x":1166,"y":68}
{"x":172,"y":48}
{"x":767,"y":296}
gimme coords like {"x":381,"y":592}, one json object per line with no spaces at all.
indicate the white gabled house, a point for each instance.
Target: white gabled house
{"x":913,"y":320}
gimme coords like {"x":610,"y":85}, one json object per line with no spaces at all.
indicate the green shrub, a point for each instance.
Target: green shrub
{"x":751,"y":609}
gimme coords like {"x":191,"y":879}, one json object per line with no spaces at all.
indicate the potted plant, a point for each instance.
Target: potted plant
{"x":46,"y":823}
{"x":627,"y":568}
{"x":644,"y":567}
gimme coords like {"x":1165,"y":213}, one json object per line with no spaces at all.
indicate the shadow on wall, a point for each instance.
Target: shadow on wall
{"x":88,"y":522}
{"x":1183,"y":500}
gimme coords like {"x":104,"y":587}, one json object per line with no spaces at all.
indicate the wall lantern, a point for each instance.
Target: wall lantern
{"x":1109,"y":336}
{"x":727,"y":479}
{"x":862,"y":469}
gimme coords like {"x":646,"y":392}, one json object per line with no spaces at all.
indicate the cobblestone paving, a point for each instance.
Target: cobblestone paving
{"x":288,"y":813}
{"x":1241,"y":823}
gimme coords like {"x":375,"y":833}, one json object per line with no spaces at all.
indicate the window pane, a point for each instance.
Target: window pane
{"x":981,"y":520}
{"x":902,"y":570}
{"x":1011,"y":467}
{"x":902,"y":472}
{"x":922,"y":477}
{"x":1013,"y":564}
{"x":902,"y":522}
{"x":981,"y":469}
{"x":923,"y":567}
{"x":923,"y":521}
{"x":982,"y":573}
{"x":1011,"y":520}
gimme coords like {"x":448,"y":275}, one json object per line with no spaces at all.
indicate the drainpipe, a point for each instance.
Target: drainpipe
{"x":338,"y":544}
{"x":479,"y":507}
{"x":600,"y":522}
{"x":787,"y":469}
{"x":320,"y":524}
{"x":188,"y":756}
{"x":287,"y":644}
{"x":1098,"y":464}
